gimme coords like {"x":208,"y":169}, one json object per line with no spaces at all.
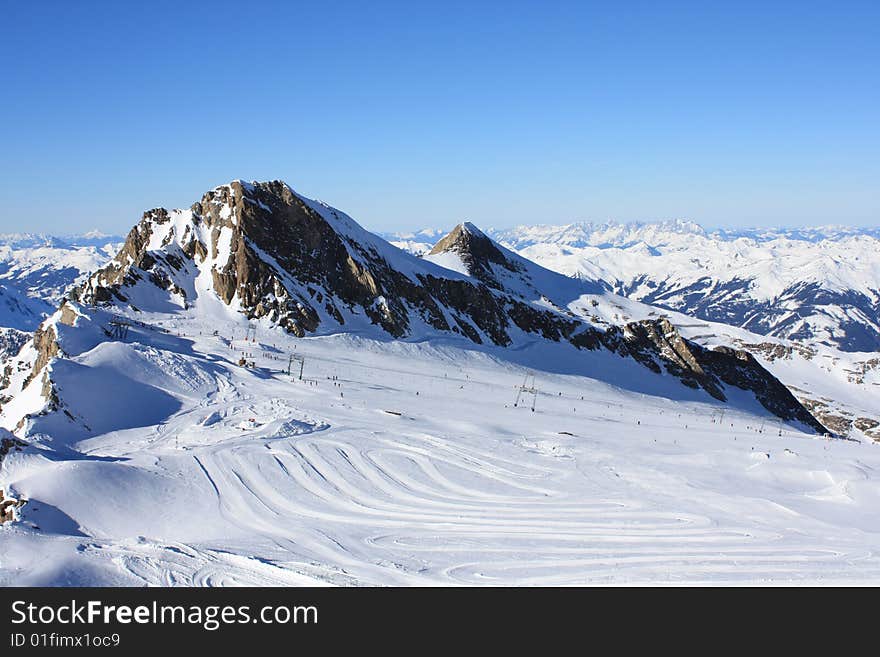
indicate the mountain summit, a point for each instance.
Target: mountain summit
{"x":479,"y":254}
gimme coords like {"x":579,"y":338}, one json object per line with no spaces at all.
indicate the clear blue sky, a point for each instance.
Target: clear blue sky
{"x":409,"y":114}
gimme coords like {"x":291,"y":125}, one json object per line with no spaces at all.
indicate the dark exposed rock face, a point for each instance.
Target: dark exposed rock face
{"x":869,"y":426}
{"x":866,"y":423}
{"x":739,"y":368}
{"x":46,"y":344}
{"x":648,"y":340}
{"x":657,"y":345}
{"x":8,"y":442}
{"x":839,"y":420}
{"x":11,"y":342}
{"x":311,"y":269}
{"x":775,"y":351}
{"x":476,"y":251}
{"x":300,"y":265}
{"x":861,"y":369}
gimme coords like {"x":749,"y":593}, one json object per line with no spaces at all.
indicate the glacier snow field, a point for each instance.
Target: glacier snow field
{"x":407,"y":463}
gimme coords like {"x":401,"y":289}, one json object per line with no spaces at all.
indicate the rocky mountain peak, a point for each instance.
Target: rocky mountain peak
{"x":258,"y":246}
{"x":478,"y":253}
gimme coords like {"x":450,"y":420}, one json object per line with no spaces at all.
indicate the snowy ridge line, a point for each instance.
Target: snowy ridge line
{"x":818,"y":286}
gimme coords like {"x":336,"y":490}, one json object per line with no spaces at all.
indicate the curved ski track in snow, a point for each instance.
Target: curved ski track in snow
{"x":267,"y":481}
{"x":408,"y":513}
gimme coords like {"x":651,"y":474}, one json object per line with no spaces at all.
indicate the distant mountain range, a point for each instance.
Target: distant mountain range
{"x":36,"y":270}
{"x":817,"y":285}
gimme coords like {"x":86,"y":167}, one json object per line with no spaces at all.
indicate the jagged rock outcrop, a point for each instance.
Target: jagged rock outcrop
{"x":9,"y":442}
{"x":278,"y":256}
{"x":739,"y":368}
{"x":838,"y":418}
{"x":658,"y":345}
{"x":477,"y":252}
{"x":11,"y":342}
{"x":868,"y":426}
{"x":772,"y":351}
{"x":46,"y":346}
{"x":9,"y":505}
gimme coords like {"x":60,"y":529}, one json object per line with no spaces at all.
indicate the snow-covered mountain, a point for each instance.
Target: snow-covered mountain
{"x":264,"y":251}
{"x":256,"y":390}
{"x":817,"y":285}
{"x":36,"y":270}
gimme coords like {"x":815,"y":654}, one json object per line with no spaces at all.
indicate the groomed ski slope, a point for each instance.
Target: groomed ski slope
{"x":405,"y":463}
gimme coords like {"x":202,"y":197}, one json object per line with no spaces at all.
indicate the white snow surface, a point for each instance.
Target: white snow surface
{"x":406,"y":463}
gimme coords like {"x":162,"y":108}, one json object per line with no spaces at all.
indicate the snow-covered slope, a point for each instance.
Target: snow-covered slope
{"x":407,"y":463}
